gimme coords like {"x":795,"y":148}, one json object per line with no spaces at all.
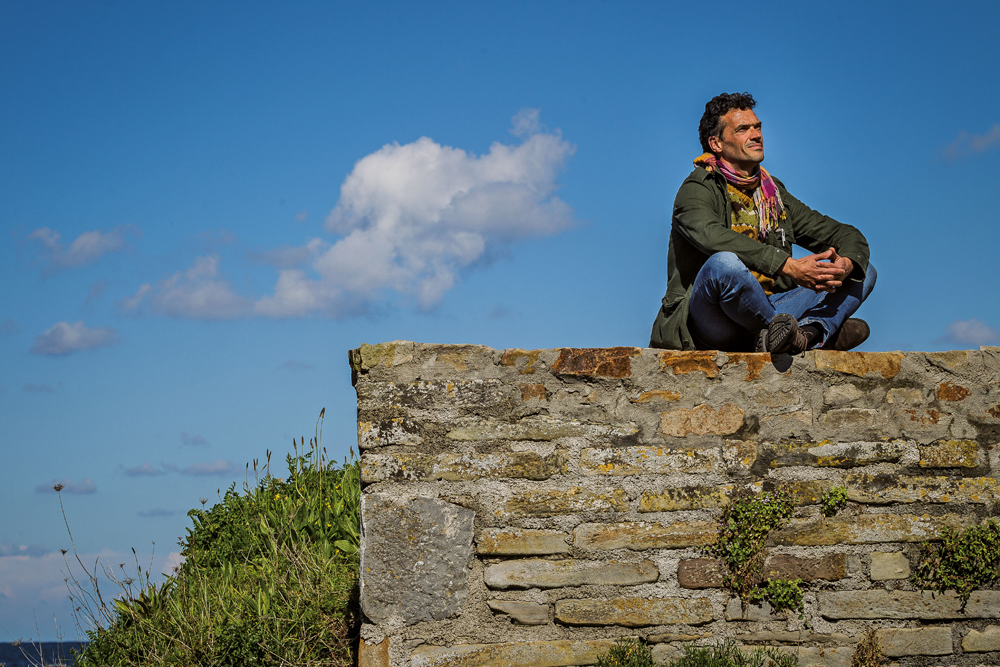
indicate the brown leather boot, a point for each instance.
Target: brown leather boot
{"x":781,"y":333}
{"x":851,"y":333}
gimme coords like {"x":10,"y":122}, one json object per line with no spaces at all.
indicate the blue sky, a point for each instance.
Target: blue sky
{"x":205,"y":205}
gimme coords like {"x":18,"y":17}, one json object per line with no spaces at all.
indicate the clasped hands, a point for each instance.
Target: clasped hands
{"x":822,"y":272}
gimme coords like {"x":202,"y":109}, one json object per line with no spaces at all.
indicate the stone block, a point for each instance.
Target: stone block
{"x":904,"y":396}
{"x":521,"y":542}
{"x":415,"y":555}
{"x":803,"y":493}
{"x":539,"y":428}
{"x":525,"y":613}
{"x":373,"y":655}
{"x":391,"y":431}
{"x":774,"y":399}
{"x":821,"y":656}
{"x":755,"y":363}
{"x":608,"y":362}
{"x":458,"y":467}
{"x":980,"y":642}
{"x":641,"y":535}
{"x":657,"y":395}
{"x":877,"y":604}
{"x":540,"y":573}
{"x":923,"y":425}
{"x":839,"y":394}
{"x":649,"y":460}
{"x":661,"y":653}
{"x":788,"y":423}
{"x":682,"y":363}
{"x":701,"y":573}
{"x":831,"y":567}
{"x":899,"y":642}
{"x":886,"y":364}
{"x":533,"y":392}
{"x":522,"y":360}
{"x":367,"y":357}
{"x":950,"y":454}
{"x":558,"y":653}
{"x":570,"y":501}
{"x":737,"y":611}
{"x":635,"y":612}
{"x":702,"y":420}
{"x":851,"y":417}
{"x":867,"y":529}
{"x":793,"y":637}
{"x":949,"y":391}
{"x":883,"y":489}
{"x":827,"y":454}
{"x":425,"y":394}
{"x":889,"y":566}
{"x":686,"y":498}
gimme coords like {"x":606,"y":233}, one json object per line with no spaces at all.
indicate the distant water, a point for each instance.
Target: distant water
{"x":38,"y":654}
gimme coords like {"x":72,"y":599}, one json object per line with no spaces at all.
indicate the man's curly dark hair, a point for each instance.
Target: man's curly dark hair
{"x":717,"y":107}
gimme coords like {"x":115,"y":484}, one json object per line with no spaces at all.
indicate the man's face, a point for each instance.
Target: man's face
{"x":741,"y":143}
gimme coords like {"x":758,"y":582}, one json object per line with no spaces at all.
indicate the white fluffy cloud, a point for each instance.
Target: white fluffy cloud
{"x":970,"y":332}
{"x":966,"y":143}
{"x":412,"y":216}
{"x":65,"y":338}
{"x":217,"y":467}
{"x":200,"y":292}
{"x":85,"y":249}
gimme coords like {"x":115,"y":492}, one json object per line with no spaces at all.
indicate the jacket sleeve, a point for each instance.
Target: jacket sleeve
{"x":698,"y":219}
{"x":817,"y":232}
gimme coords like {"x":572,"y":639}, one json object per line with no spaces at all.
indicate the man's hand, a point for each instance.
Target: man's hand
{"x":823,"y":272}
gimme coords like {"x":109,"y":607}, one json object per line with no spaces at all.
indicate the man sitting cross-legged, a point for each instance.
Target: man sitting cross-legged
{"x":732,"y":282}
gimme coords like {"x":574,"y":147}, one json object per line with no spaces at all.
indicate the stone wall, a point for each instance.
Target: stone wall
{"x":528,"y":507}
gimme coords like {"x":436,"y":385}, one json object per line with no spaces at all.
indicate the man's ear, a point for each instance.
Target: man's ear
{"x":715,"y":144}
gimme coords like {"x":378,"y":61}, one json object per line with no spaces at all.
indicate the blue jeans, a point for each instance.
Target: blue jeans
{"x":728,"y":306}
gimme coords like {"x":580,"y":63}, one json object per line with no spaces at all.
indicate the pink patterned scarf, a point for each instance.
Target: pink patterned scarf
{"x":766,"y":197}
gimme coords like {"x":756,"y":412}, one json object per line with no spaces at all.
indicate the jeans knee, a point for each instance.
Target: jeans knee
{"x":725,"y":262}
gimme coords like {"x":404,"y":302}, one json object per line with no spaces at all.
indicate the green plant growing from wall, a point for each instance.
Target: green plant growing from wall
{"x":833,"y":500}
{"x":627,"y":652}
{"x":867,"y":653}
{"x":743,"y":529}
{"x":728,"y":654}
{"x":962,"y":562}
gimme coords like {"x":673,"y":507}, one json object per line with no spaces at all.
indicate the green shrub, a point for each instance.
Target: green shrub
{"x":963,"y":562}
{"x":269,"y":578}
{"x":728,"y":654}
{"x":782,"y":594}
{"x":627,"y":652}
{"x":833,"y":500}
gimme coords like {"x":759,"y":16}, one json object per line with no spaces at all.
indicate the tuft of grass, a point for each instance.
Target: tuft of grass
{"x":868,"y":652}
{"x":728,"y":654}
{"x":627,"y":652}
{"x":269,"y":579}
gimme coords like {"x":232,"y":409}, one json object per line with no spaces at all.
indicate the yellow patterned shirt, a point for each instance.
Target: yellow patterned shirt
{"x":746,"y":222}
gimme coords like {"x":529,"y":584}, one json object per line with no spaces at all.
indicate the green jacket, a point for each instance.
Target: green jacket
{"x":701,"y":227}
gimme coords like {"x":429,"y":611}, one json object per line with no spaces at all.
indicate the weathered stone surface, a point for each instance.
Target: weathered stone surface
{"x":570,"y":501}
{"x":682,"y":363}
{"x":454,"y":467}
{"x":926,"y":605}
{"x":861,"y":364}
{"x":867,"y":529}
{"x":700,"y":573}
{"x":839,"y":394}
{"x":804,"y":493}
{"x":392,"y":431}
{"x":686,"y":498}
{"x":737,"y":611}
{"x":661,"y":653}
{"x":754,"y":362}
{"x":538,"y":428}
{"x":889,"y":566}
{"x":657,"y":395}
{"x":609,"y":362}
{"x":775,"y":399}
{"x":660,"y":460}
{"x":525,"y":613}
{"x":559,"y":653}
{"x":521,"y":542}
{"x":835,"y":454}
{"x":883,"y":489}
{"x":367,"y":357}
{"x":924,"y":425}
{"x":540,"y":573}
{"x":950,"y":454}
{"x":793,"y":637}
{"x":904,"y":396}
{"x":373,"y":655}
{"x":534,"y":392}
{"x":702,"y":420}
{"x":949,"y":391}
{"x":775,"y":426}
{"x":830,"y":567}
{"x":415,"y":554}
{"x":635,"y":612}
{"x":979,"y":642}
{"x":825,"y":656}
{"x":640,"y":535}
{"x":674,"y":637}
{"x":523,"y":360}
{"x":847,"y":417}
{"x":898,"y":642}
{"x":429,"y":393}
